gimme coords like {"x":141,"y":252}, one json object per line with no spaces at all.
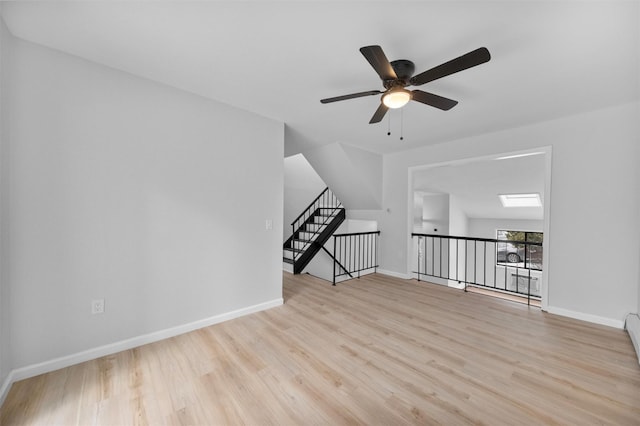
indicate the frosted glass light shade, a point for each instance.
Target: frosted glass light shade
{"x":396,"y":98}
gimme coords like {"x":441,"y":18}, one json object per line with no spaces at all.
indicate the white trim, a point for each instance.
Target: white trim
{"x":586,"y":317}
{"x":394,"y":274}
{"x":287,"y":270}
{"x":6,"y":385}
{"x":546,"y":232}
{"x":632,"y":325}
{"x":89,"y":354}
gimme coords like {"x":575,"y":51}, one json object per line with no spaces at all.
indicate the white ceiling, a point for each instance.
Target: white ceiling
{"x":278,"y":59}
{"x":476,"y":185}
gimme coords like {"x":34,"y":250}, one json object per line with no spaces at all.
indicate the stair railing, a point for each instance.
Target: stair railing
{"x":327,"y":200}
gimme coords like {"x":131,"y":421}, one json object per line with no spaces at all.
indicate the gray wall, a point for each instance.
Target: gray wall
{"x":5,"y":366}
{"x":431,"y":212}
{"x":147,"y":196}
{"x":353,"y":174}
{"x":301,"y":186}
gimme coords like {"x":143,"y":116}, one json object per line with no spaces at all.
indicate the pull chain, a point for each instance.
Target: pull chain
{"x":401,"y":123}
{"x":388,"y":124}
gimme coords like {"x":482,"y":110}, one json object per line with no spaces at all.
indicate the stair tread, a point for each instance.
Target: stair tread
{"x":293,"y":249}
{"x":284,"y":259}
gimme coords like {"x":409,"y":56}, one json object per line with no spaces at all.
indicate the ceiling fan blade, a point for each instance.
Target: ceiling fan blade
{"x":471,"y":59}
{"x":433,"y":100}
{"x":379,"y":114}
{"x":379,"y":62}
{"x":351,"y":96}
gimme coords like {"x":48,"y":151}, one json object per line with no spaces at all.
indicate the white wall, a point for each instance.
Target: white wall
{"x":353,"y":174}
{"x":458,"y":227}
{"x":152,"y":198}
{"x":5,"y":366}
{"x":368,"y":166}
{"x":457,"y":218}
{"x":486,"y":228}
{"x":431,"y":213}
{"x":594,"y":187}
{"x":301,"y":186}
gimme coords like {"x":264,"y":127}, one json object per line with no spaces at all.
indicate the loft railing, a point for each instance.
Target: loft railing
{"x":508,"y":266}
{"x":354,"y":253}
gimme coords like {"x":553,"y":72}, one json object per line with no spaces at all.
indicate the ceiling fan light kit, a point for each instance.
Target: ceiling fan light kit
{"x":396,"y":98}
{"x":398,"y":74}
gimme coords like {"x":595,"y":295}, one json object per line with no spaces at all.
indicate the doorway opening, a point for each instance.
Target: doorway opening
{"x":462,"y":235}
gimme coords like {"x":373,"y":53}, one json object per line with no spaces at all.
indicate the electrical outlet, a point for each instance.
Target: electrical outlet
{"x":268,"y":224}
{"x":97,"y":306}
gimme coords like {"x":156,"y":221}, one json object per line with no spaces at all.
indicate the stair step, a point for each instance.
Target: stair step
{"x":289,"y":254}
{"x":308,"y":236}
{"x":286,"y":260}
{"x":320,"y":220}
{"x":315,"y":226}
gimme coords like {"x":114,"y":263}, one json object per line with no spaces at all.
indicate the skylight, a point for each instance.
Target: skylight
{"x":520,"y":200}
{"x":526,"y":154}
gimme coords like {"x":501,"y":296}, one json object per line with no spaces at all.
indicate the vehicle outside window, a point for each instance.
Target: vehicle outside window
{"x":521,"y":255}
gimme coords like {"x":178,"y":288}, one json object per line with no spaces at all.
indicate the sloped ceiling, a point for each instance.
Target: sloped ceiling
{"x":278,"y":59}
{"x":477,"y":184}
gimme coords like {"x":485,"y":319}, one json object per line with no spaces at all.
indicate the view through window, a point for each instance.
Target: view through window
{"x":523,"y":255}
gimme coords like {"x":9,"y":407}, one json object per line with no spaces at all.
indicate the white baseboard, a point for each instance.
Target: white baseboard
{"x":586,"y":317}
{"x":394,"y":274}
{"x":633,"y":328}
{"x":6,"y":385}
{"x":68,"y":360}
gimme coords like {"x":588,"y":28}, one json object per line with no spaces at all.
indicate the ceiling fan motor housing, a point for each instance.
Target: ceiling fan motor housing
{"x":404,"y":69}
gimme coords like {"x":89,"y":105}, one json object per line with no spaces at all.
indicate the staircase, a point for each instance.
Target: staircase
{"x":311,"y":230}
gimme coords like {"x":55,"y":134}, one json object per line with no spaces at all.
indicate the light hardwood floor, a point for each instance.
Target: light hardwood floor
{"x":377,"y":350}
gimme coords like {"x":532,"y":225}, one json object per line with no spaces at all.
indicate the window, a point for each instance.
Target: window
{"x":521,"y":255}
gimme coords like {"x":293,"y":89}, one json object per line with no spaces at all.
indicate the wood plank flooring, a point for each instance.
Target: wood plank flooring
{"x":375,"y":350}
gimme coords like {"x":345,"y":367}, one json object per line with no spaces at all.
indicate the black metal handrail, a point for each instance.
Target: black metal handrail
{"x":488,"y":240}
{"x":445,"y":259}
{"x":310,"y":206}
{"x":354,"y":253}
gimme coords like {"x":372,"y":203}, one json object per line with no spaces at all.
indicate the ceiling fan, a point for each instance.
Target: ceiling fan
{"x":397,"y":75}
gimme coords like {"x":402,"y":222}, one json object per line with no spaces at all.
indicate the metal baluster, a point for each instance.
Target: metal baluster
{"x":360,"y":248}
{"x":466,"y":253}
{"x":457,"y":278}
{"x":529,"y":289}
{"x":484,"y":264}
{"x":505,"y":276}
{"x":376,"y":240}
{"x":334,"y":260}
{"x":495,"y":266}
{"x":441,"y":257}
{"x":418,"y":255}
